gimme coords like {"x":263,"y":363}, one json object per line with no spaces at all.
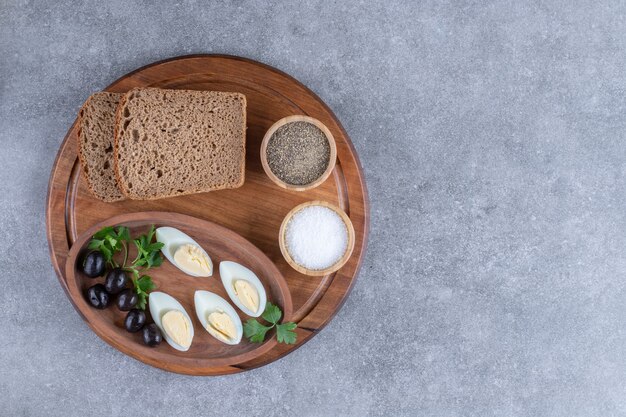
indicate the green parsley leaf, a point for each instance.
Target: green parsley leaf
{"x":272,"y":313}
{"x":145,"y":283}
{"x":142,"y":286}
{"x":285,"y":333}
{"x":154,"y":246}
{"x":108,"y":253}
{"x":255,"y":331}
{"x":150,"y":234}
{"x":104,"y":232}
{"x":110,"y":241}
{"x":123,"y":233}
{"x":157,"y":259}
{"x":142,"y":300}
{"x":148,"y":253}
{"x":95,"y":243}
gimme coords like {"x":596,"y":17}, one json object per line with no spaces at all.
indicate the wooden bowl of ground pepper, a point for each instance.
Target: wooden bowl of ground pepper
{"x":298,"y":153}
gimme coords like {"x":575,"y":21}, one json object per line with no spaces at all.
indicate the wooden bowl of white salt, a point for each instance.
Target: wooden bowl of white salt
{"x":316,"y":238}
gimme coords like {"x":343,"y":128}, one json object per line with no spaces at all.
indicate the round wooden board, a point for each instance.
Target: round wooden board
{"x":255,"y":211}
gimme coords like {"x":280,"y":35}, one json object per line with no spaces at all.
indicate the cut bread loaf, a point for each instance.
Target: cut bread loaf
{"x":176,"y":142}
{"x":96,"y":135}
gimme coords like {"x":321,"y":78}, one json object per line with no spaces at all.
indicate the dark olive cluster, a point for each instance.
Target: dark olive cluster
{"x":116,"y":284}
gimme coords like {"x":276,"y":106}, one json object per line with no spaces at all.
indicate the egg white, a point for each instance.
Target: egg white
{"x":206,"y":303}
{"x":160,"y":303}
{"x":231,"y":271}
{"x":173,"y":239}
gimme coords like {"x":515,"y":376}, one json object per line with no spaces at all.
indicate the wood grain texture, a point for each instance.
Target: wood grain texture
{"x":254,"y":211}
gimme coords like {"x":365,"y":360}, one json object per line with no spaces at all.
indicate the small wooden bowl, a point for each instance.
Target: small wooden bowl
{"x":316,"y":272}
{"x":331,"y":160}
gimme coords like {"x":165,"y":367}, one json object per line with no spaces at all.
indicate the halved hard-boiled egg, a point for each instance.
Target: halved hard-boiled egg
{"x":182,"y":251}
{"x":218,"y":317}
{"x":172,"y":319}
{"x":243,"y":287}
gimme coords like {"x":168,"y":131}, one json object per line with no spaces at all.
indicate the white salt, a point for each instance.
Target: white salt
{"x":316,"y":237}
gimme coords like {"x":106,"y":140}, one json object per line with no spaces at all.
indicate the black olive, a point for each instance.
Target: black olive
{"x":116,"y":281}
{"x":94,"y":264}
{"x":135,"y":319}
{"x":151,"y":335}
{"x":127,"y":300}
{"x":98,"y":296}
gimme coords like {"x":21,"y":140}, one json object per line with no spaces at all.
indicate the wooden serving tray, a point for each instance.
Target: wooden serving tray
{"x":206,"y":353}
{"x":254,"y":211}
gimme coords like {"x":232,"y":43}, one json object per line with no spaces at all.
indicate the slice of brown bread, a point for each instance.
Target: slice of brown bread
{"x":176,"y":142}
{"x":96,"y":135}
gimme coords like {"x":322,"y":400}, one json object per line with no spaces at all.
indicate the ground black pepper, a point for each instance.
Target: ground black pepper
{"x":298,"y":153}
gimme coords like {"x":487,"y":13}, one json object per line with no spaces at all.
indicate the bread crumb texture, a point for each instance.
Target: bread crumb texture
{"x":176,"y":142}
{"x":95,"y":145}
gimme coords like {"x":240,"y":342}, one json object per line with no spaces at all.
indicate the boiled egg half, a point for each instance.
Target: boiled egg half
{"x":172,"y":319}
{"x":218,"y":317}
{"x":182,"y":251}
{"x":243,"y":287}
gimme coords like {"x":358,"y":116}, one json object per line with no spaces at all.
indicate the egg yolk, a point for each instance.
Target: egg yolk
{"x":192,"y":259}
{"x":223,"y":324}
{"x":177,"y":327}
{"x":247,"y":294}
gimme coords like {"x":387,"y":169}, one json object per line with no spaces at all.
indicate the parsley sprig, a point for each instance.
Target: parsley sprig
{"x":256,"y":331}
{"x":143,"y":286}
{"x":148,"y":253}
{"x":111,"y":240}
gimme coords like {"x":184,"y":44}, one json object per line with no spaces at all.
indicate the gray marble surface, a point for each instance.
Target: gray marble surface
{"x":492,"y":138}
